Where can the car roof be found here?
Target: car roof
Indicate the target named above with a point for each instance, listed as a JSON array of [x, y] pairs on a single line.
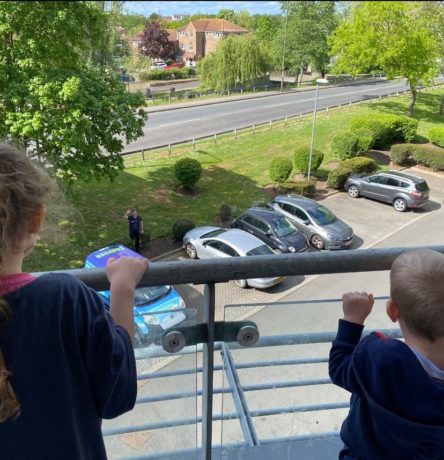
[[302, 201], [403, 175], [239, 239], [99, 258], [265, 214]]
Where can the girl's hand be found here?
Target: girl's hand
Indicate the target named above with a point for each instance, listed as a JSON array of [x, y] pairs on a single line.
[[357, 306], [126, 271]]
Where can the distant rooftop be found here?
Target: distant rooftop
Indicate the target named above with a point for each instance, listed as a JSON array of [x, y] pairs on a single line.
[[216, 25]]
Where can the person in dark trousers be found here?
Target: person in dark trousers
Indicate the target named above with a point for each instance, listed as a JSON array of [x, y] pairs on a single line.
[[397, 402], [135, 223]]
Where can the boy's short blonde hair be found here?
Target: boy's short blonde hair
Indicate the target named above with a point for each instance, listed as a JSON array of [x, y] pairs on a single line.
[[417, 288]]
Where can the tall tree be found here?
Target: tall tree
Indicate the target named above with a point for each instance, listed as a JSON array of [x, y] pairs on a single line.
[[55, 98], [237, 60], [395, 36], [309, 25], [226, 13], [154, 42]]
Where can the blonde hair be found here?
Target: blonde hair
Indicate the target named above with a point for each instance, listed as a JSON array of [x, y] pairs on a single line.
[[23, 189], [417, 288]]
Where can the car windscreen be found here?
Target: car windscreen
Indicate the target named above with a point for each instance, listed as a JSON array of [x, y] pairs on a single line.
[[150, 294], [422, 186], [282, 227], [263, 250], [321, 215]]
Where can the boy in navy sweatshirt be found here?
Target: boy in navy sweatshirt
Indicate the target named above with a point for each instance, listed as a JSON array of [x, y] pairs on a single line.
[[397, 401]]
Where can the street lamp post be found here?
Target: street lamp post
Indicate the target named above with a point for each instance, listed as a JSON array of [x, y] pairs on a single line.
[[319, 81]]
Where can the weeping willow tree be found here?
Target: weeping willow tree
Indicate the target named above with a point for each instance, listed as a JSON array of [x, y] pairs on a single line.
[[237, 62]]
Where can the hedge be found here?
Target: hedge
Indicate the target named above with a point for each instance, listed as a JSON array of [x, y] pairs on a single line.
[[345, 145], [180, 227], [401, 154], [161, 74], [426, 155], [302, 158], [436, 136], [280, 169], [337, 177], [386, 128], [366, 140], [303, 187]]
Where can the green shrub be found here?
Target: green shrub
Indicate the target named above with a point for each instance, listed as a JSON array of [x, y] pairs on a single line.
[[366, 140], [337, 177], [225, 212], [180, 227], [187, 171], [436, 136], [401, 154], [345, 145], [280, 169], [361, 164], [386, 128], [172, 74], [302, 158], [432, 157], [303, 187]]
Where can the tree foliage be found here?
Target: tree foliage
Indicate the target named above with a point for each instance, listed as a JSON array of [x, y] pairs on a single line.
[[309, 25], [56, 98], [154, 42], [395, 36], [237, 61]]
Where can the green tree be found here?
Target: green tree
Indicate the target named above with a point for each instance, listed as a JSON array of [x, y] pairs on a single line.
[[237, 60], [309, 25], [393, 35], [226, 13], [56, 98]]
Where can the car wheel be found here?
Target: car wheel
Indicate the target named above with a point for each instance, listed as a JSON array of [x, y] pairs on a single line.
[[353, 191], [191, 251], [400, 205], [241, 283], [317, 242]]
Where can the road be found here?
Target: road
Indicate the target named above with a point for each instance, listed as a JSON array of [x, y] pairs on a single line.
[[182, 124]]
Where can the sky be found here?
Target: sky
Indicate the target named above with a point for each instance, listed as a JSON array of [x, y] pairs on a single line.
[[192, 7]]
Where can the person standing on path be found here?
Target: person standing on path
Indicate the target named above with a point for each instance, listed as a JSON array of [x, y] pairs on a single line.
[[135, 223]]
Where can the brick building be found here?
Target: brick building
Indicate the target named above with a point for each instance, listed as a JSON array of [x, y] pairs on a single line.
[[200, 37]]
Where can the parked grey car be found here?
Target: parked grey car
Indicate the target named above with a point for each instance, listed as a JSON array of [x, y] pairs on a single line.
[[273, 229], [321, 227], [211, 242], [402, 190]]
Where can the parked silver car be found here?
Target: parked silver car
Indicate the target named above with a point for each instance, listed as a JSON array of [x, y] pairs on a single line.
[[400, 189], [211, 242], [321, 227]]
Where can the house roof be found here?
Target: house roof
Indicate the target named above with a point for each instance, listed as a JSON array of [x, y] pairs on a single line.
[[215, 25], [172, 34]]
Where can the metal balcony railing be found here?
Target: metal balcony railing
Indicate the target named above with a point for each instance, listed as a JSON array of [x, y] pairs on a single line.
[[201, 341]]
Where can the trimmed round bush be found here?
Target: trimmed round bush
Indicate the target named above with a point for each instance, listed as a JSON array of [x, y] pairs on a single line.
[[366, 140], [436, 136], [180, 227], [345, 145], [280, 169], [337, 177], [302, 158], [401, 154], [361, 164], [187, 171]]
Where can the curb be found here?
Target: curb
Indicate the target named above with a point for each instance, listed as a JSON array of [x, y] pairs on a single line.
[[251, 96]]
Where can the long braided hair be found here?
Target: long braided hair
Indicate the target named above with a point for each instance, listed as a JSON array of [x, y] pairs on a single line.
[[23, 189]]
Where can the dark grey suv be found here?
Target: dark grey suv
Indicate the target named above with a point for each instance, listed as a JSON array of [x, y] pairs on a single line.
[[400, 189], [272, 228]]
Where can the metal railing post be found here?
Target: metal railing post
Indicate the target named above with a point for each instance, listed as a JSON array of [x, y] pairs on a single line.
[[208, 371], [143, 154]]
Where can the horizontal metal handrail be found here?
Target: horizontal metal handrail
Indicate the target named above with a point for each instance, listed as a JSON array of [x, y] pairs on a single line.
[[235, 268]]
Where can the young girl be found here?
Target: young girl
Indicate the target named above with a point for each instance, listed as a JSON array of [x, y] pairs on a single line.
[[65, 362]]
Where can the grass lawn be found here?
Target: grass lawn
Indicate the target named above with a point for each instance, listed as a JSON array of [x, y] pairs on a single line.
[[235, 172]]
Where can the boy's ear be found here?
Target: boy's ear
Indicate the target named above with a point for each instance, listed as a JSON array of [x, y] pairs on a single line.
[[37, 220], [392, 310]]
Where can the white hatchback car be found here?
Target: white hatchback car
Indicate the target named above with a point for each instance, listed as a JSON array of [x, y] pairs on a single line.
[[158, 66]]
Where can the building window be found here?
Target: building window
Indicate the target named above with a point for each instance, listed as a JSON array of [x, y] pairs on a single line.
[[190, 47], [191, 34], [182, 46], [216, 34]]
